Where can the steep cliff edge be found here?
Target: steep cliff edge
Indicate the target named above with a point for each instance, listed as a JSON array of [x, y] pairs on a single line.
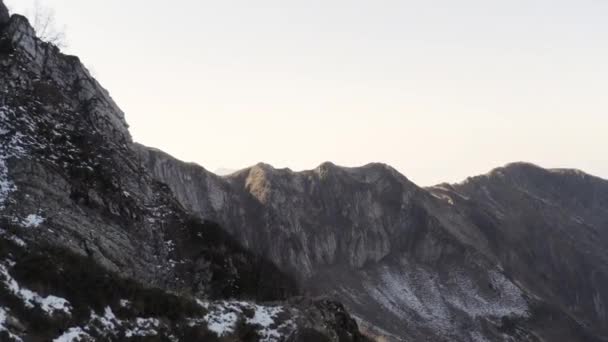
[[438, 264], [93, 248]]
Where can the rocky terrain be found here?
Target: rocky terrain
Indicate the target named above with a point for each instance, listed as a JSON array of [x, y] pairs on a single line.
[[103, 239], [515, 255], [92, 248]]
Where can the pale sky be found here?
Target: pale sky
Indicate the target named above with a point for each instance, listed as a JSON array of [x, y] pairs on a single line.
[[440, 90]]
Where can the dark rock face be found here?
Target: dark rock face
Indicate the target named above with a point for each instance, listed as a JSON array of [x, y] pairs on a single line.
[[4, 15], [519, 253], [80, 216]]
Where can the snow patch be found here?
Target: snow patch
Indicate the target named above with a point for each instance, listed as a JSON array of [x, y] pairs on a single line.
[[266, 317], [72, 335], [144, 327], [221, 323], [32, 221], [108, 321], [110, 325], [223, 317], [49, 304]]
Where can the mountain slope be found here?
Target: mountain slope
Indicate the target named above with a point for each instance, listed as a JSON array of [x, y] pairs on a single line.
[[557, 221], [104, 239], [92, 247], [434, 264]]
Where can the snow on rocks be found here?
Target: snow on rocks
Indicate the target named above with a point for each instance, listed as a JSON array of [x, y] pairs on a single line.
[[107, 322], [73, 335], [49, 304], [223, 317], [420, 294], [110, 326], [32, 221], [221, 323], [144, 327], [3, 328], [16, 240], [266, 318]]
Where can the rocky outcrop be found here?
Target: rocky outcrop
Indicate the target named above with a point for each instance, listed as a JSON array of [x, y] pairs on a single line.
[[488, 259], [68, 74], [82, 221]]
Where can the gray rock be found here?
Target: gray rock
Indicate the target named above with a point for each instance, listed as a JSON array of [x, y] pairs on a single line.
[[479, 260]]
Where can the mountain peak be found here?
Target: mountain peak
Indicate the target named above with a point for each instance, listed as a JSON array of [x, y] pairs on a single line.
[[526, 170], [513, 168], [62, 74], [521, 165], [263, 166], [327, 165], [371, 170]]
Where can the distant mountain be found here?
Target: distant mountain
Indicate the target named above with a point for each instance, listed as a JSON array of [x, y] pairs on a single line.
[[519, 254]]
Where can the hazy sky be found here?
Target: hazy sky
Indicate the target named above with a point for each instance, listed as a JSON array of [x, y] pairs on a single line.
[[439, 89]]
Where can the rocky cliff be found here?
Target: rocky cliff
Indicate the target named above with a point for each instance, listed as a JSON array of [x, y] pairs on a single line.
[[515, 255], [92, 247]]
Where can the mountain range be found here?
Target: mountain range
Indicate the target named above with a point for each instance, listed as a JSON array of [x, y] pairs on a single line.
[[104, 239]]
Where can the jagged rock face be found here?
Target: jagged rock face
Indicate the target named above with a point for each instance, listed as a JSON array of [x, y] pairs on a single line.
[[297, 218], [79, 215], [489, 259]]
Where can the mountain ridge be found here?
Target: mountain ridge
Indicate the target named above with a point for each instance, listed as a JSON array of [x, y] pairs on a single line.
[[166, 250], [367, 224]]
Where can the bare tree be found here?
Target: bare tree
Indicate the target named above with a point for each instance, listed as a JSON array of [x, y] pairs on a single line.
[[43, 21]]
